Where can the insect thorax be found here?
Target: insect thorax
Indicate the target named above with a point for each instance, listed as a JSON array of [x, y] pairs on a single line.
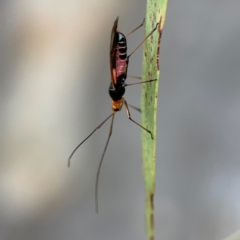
[[116, 92]]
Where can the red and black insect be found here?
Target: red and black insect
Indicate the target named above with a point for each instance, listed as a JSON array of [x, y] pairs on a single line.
[[118, 67]]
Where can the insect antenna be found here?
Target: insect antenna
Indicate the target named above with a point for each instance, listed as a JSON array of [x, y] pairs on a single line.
[[69, 159], [100, 164]]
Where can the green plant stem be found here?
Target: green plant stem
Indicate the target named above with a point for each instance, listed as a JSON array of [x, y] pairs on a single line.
[[155, 12], [234, 236]]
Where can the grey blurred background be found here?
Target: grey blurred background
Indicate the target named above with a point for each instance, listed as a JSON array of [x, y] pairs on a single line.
[[54, 83]]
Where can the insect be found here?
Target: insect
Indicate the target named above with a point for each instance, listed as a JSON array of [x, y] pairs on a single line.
[[118, 67]]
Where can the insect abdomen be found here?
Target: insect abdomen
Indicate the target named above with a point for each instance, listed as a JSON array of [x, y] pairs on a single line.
[[121, 57]]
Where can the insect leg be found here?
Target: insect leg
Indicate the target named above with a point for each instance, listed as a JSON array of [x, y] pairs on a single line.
[[125, 85], [69, 159], [135, 29], [100, 164], [142, 41], [136, 108], [129, 116]]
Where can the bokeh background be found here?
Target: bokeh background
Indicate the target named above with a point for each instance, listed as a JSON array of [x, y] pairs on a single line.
[[54, 92]]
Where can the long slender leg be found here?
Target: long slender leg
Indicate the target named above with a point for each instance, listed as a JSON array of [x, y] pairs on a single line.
[[129, 116], [100, 164], [135, 29], [69, 159], [125, 85], [142, 42], [135, 108]]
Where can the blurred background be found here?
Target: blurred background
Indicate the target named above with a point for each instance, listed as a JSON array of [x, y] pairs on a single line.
[[54, 92]]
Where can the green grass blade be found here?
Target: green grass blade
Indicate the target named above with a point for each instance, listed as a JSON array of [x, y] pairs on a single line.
[[235, 236], [155, 12]]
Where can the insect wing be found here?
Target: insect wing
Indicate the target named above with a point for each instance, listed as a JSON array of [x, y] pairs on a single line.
[[113, 53]]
